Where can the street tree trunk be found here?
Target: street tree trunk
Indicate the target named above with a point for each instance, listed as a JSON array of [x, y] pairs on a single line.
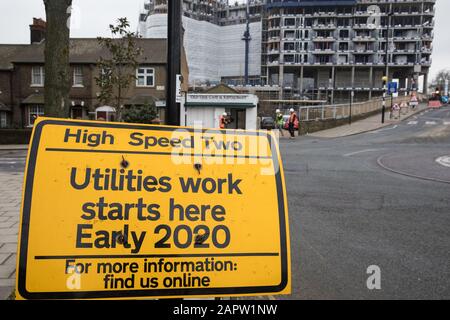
[[57, 68]]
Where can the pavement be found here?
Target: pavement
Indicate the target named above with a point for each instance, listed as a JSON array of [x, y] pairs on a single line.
[[13, 147], [12, 164], [366, 125], [10, 201]]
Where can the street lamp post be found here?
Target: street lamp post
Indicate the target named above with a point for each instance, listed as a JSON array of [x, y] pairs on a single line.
[[174, 45], [386, 60]]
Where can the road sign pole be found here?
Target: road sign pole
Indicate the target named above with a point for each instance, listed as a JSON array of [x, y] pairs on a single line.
[[386, 61], [392, 104], [174, 45]]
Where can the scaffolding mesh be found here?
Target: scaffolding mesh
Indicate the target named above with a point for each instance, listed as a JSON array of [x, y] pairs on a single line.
[[212, 51]]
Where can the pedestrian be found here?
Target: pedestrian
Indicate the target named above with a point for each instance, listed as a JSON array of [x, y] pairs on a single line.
[[279, 121], [292, 120]]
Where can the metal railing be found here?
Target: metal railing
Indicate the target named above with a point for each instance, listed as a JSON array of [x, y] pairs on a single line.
[[343, 111]]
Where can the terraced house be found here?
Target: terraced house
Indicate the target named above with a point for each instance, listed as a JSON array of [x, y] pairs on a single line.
[[22, 77]]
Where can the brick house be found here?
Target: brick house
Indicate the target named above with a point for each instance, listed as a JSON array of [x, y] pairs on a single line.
[[22, 79]]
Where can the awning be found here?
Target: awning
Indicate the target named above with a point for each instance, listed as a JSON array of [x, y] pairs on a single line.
[[35, 98], [105, 109], [4, 107], [220, 105]]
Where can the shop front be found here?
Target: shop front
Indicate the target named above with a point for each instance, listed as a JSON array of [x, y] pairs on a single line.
[[208, 109]]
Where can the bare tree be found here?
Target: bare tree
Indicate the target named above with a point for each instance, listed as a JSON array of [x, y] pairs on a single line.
[[441, 77], [57, 68], [118, 70]]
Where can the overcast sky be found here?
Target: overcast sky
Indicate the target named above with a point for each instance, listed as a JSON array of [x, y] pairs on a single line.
[[94, 17]]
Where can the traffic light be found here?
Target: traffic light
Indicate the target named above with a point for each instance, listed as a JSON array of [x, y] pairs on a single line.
[[385, 79]]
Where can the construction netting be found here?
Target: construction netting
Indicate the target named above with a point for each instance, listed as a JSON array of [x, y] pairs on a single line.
[[212, 51]]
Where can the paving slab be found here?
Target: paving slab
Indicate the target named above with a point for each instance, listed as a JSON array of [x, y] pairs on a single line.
[[10, 202]]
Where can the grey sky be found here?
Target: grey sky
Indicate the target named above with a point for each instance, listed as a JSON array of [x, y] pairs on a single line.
[[96, 15]]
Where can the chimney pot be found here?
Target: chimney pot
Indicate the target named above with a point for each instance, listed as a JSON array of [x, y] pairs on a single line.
[[37, 30]]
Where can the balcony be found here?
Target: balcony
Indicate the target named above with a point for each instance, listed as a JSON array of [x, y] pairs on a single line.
[[324, 26], [324, 39], [363, 51], [363, 38], [324, 51], [404, 51], [407, 38], [363, 27]]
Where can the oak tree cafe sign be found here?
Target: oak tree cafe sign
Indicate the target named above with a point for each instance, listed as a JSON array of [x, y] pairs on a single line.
[[222, 98], [115, 210]]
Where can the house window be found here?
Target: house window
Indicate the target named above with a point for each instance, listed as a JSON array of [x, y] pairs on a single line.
[[37, 76], [145, 77], [33, 113], [77, 76]]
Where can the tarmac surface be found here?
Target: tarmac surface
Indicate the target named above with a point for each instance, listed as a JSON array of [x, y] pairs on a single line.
[[371, 199]]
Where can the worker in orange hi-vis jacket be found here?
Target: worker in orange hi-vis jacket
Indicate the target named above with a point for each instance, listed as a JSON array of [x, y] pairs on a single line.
[[293, 118]]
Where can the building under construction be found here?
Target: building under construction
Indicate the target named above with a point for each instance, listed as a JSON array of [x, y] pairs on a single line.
[[214, 32], [326, 50], [305, 50]]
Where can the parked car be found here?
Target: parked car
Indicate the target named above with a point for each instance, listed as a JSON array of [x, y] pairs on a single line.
[[267, 123], [286, 123]]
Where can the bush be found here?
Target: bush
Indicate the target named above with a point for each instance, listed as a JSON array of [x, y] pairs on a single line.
[[140, 114]]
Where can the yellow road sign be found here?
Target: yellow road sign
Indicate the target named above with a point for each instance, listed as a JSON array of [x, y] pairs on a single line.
[[114, 210]]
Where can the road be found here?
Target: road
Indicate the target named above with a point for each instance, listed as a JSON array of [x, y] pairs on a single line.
[[378, 198], [351, 206], [12, 161]]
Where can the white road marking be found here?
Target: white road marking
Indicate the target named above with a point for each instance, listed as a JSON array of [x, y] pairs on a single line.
[[444, 161], [358, 152], [12, 160], [413, 122], [430, 123], [446, 123], [378, 131]]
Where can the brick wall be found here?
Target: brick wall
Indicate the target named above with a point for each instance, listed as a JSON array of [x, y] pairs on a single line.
[[15, 136]]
